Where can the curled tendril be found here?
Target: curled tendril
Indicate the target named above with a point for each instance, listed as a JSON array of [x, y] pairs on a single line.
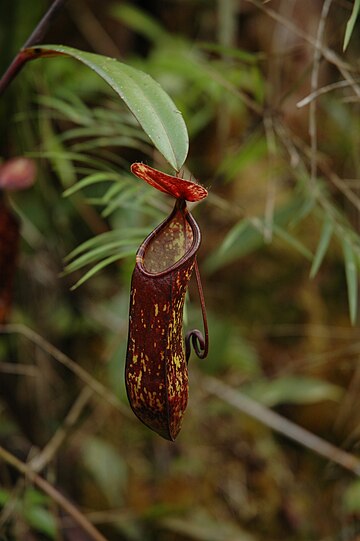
[[195, 337], [197, 340]]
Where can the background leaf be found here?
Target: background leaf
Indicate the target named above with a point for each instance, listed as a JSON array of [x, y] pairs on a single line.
[[152, 107], [351, 278], [351, 23], [323, 245], [106, 466], [293, 390], [352, 497]]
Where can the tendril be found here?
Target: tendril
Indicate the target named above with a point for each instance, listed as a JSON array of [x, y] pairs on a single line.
[[200, 343]]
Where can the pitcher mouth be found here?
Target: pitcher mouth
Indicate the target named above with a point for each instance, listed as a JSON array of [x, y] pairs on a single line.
[[147, 262]]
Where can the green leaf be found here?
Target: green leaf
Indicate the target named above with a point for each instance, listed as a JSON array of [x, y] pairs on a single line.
[[323, 245], [112, 192], [292, 241], [33, 496], [109, 141], [351, 278], [90, 180], [108, 236], [125, 198], [351, 23], [36, 513], [59, 159], [250, 152], [149, 103], [248, 235], [106, 466], [229, 350], [201, 526], [233, 236], [293, 390], [4, 497], [41, 519], [242, 239], [111, 248], [63, 155], [66, 110], [351, 497], [104, 263]]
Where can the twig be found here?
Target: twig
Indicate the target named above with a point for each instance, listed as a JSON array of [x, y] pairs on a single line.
[[323, 90], [39, 462], [327, 53], [282, 425], [9, 508], [271, 181], [314, 85], [59, 356], [342, 186], [35, 37], [53, 493], [18, 369]]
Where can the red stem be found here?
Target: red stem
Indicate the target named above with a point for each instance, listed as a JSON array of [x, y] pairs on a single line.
[[199, 342], [203, 310], [11, 72], [35, 37]]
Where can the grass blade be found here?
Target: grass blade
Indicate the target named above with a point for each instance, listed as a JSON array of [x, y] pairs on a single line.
[[351, 23], [323, 245], [99, 253], [90, 180], [292, 241], [108, 236], [351, 278], [101, 265]]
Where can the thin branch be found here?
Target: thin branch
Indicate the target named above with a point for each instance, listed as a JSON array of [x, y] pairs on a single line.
[[327, 53], [18, 369], [271, 181], [320, 91], [53, 493], [282, 425], [35, 37], [42, 27], [59, 356], [39, 462], [343, 186], [314, 86]]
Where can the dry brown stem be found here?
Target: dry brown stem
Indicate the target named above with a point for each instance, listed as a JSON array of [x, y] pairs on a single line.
[[280, 424], [53, 493]]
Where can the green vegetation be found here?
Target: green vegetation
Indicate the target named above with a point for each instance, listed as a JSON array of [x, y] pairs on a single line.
[[268, 448]]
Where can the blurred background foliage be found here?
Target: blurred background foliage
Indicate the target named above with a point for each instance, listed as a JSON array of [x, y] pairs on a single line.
[[274, 133]]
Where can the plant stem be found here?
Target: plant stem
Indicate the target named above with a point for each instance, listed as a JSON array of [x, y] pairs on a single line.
[[43, 25], [12, 71], [282, 425], [63, 359], [54, 494], [35, 37]]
